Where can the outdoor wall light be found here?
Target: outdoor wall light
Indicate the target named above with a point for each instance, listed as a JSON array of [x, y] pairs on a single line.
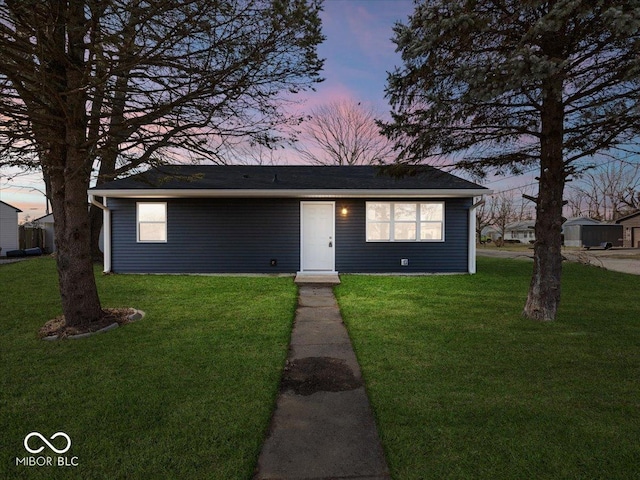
[[344, 211]]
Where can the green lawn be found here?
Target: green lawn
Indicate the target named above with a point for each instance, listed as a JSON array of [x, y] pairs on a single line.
[[187, 392], [463, 387]]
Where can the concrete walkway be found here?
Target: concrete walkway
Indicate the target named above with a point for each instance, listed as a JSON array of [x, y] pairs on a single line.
[[323, 427]]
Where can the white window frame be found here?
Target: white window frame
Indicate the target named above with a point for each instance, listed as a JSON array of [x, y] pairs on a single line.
[[418, 222], [139, 222]]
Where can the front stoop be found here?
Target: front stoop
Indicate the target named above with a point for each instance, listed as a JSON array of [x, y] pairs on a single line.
[[313, 279]]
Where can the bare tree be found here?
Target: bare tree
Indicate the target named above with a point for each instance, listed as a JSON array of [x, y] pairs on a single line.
[[526, 204], [127, 83], [484, 218], [607, 192], [504, 211], [344, 133], [575, 203]]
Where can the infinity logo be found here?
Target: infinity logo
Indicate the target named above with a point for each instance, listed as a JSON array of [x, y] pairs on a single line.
[[55, 435]]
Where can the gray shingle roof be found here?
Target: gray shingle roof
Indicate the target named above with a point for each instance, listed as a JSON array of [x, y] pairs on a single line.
[[274, 178]]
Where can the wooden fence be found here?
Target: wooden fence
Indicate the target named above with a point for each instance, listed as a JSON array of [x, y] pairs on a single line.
[[31, 237]]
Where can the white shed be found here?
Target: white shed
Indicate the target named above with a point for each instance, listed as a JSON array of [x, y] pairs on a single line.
[[8, 227], [47, 224]]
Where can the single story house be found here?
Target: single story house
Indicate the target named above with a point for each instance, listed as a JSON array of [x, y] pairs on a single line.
[[8, 227], [288, 219], [631, 230], [523, 231]]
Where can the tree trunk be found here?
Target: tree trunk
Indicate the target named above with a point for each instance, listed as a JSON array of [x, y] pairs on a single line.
[[544, 291], [78, 291], [69, 169]]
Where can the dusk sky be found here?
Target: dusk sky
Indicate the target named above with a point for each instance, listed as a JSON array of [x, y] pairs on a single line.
[[358, 52]]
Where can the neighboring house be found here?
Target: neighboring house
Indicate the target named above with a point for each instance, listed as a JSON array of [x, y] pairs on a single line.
[[490, 233], [8, 227], [631, 230], [523, 232], [287, 219]]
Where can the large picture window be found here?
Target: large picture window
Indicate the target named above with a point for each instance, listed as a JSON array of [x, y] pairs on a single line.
[[152, 222], [405, 222]]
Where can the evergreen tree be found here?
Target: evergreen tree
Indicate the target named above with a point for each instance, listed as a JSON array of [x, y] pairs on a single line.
[[505, 85]]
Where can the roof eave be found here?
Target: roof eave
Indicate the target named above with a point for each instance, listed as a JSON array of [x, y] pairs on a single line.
[[283, 193]]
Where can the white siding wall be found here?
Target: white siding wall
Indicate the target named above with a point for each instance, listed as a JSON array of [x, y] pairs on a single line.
[[8, 228]]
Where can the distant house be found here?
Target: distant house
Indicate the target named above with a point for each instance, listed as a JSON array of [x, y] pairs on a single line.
[[523, 232], [46, 223], [288, 219], [631, 230], [8, 227], [519, 232]]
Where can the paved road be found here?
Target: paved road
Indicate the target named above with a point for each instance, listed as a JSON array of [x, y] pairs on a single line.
[[619, 259]]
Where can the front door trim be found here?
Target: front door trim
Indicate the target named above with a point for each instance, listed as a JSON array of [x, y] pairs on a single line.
[[331, 267]]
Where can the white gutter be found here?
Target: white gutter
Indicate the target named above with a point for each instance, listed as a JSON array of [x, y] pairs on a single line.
[[288, 193], [106, 225], [472, 236]]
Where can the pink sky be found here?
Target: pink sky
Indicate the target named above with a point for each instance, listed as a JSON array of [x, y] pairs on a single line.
[[358, 49], [358, 52]]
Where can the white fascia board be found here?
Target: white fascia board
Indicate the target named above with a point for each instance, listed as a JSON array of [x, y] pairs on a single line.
[[300, 193]]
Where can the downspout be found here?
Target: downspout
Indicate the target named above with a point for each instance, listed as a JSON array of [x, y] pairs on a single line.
[[106, 225], [472, 236]]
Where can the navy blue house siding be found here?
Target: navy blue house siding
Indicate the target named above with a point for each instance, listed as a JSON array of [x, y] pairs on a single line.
[[355, 255], [208, 235]]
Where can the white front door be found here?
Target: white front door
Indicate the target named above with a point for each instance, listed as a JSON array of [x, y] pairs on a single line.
[[317, 231]]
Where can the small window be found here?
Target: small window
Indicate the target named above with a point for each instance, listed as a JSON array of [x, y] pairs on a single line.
[[405, 222], [152, 222]]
